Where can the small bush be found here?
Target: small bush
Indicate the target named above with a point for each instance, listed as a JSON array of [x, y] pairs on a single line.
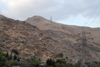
[[15, 51], [24, 22]]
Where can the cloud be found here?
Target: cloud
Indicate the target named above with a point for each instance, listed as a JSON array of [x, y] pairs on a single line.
[[24, 8], [2, 0], [77, 7], [59, 9]]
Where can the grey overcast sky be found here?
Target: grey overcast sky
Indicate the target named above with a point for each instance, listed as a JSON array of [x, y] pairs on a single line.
[[71, 12]]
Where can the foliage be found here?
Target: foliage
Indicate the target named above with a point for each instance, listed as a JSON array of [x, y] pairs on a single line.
[[9, 63], [18, 59], [66, 57], [50, 62], [44, 44], [10, 57], [24, 22], [15, 51], [60, 65], [2, 58], [7, 55], [78, 64], [61, 61], [60, 54], [34, 62], [15, 57], [93, 64]]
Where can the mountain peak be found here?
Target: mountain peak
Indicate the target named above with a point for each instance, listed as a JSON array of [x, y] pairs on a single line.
[[37, 18]]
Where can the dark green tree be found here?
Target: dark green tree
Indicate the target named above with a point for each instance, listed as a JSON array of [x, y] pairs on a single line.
[[15, 57], [61, 61], [10, 57], [7, 56], [78, 64], [34, 62], [2, 59], [18, 59], [50, 62], [15, 51]]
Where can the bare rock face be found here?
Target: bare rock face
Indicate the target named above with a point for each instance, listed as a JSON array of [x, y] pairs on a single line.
[[67, 36]]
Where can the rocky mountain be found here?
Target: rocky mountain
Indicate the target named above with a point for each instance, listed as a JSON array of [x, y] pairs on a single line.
[[67, 36], [42, 38], [27, 39]]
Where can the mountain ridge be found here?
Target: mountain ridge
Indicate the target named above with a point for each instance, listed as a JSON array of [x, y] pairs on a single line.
[[27, 39], [44, 39], [67, 36]]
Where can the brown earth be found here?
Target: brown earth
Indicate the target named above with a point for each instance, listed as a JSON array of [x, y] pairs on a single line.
[[67, 36], [27, 39], [44, 39]]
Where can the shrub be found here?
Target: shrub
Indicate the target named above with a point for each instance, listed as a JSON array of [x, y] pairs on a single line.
[[2, 59], [15, 57], [34, 62], [60, 54], [18, 59], [24, 22], [61, 61], [9, 63], [15, 51], [10, 57], [50, 62]]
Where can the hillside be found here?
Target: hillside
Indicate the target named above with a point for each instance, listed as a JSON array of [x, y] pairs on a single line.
[[44, 39], [67, 36], [27, 39]]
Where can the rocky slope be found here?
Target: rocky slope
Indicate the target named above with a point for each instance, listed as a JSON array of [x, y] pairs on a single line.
[[67, 36], [27, 39]]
